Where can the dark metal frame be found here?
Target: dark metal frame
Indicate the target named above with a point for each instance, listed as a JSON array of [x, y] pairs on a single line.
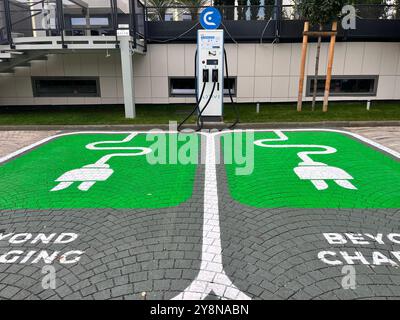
[[61, 26], [8, 23], [134, 32], [280, 29]]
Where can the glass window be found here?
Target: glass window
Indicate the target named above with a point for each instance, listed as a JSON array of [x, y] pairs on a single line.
[[99, 21], [65, 87], [345, 85], [78, 21], [94, 21]]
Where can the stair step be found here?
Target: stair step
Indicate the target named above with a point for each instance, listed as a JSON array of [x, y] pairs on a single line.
[[18, 59], [7, 71], [5, 55], [42, 58], [23, 65]]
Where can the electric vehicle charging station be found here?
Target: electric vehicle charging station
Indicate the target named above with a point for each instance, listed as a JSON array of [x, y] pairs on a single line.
[[210, 73], [210, 65]]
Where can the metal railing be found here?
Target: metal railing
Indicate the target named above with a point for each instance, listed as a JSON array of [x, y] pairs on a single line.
[[34, 18], [263, 12], [138, 23], [378, 11], [41, 18], [228, 12]]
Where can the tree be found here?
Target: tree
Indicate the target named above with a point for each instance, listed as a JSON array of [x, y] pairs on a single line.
[[160, 8], [371, 9], [397, 8], [319, 13], [254, 7], [194, 6]]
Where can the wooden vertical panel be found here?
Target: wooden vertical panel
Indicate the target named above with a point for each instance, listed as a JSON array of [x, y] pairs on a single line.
[[302, 66], [329, 69]]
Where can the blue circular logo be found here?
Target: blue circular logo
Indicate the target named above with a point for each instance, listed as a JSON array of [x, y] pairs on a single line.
[[210, 18]]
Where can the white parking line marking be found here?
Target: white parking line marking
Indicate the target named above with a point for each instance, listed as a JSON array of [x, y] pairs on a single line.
[[212, 277]]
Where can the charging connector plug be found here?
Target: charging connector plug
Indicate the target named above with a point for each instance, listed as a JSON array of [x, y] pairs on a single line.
[[214, 76], [206, 75]]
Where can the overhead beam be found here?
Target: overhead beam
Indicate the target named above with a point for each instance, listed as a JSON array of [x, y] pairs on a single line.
[[80, 3]]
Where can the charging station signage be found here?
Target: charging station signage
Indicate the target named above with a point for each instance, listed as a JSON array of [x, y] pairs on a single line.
[[210, 18]]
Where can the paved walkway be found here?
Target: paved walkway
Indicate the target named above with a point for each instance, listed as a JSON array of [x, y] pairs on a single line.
[[387, 136], [11, 141]]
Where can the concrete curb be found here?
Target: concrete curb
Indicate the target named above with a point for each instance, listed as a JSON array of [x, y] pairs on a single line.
[[256, 125]]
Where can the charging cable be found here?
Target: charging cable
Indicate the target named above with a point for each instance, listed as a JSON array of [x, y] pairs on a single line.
[[194, 109], [200, 122], [196, 95]]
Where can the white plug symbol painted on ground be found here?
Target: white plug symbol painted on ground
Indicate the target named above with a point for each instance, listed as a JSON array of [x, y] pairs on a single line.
[[100, 170], [88, 176], [316, 172]]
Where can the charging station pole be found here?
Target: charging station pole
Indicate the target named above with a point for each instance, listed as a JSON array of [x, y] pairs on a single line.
[[209, 71], [210, 64]]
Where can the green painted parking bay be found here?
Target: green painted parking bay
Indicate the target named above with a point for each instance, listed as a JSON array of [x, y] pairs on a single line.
[[96, 170], [312, 169]]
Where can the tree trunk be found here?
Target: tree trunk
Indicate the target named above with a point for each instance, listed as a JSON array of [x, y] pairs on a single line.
[[194, 13], [329, 68], [317, 57], [255, 6], [302, 66], [161, 13]]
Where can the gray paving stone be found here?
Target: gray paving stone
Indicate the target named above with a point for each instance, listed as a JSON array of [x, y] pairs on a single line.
[[121, 290], [267, 253]]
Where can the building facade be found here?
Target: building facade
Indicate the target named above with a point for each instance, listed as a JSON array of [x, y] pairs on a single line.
[[263, 67]]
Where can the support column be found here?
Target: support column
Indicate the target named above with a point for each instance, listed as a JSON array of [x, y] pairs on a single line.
[[127, 77]]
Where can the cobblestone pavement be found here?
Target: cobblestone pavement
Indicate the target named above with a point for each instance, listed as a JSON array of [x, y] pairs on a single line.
[[11, 141], [126, 252], [266, 253], [387, 136], [273, 253]]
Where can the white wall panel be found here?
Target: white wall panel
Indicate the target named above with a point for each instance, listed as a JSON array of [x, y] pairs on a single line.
[[264, 72]]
